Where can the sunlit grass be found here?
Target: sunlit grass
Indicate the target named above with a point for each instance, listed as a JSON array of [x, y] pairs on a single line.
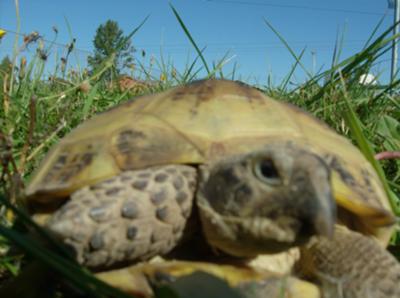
[[36, 113]]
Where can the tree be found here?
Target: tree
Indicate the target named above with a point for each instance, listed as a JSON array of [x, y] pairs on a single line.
[[109, 40]]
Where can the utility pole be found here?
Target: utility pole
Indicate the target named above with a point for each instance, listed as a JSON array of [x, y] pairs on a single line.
[[395, 41]]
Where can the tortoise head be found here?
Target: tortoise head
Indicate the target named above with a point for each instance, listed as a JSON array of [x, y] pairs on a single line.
[[266, 201]]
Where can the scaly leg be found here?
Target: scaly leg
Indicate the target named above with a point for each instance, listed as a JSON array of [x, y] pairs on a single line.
[[132, 216], [351, 266]]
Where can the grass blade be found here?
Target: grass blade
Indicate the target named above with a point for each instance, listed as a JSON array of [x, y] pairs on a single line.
[[190, 38], [288, 47], [355, 127]]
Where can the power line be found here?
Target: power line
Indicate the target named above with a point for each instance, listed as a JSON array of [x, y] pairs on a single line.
[[46, 40], [297, 7], [219, 47], [86, 52], [215, 46], [258, 47], [184, 46], [244, 44]]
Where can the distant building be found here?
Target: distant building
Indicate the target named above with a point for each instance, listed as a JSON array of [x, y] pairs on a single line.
[[125, 82]]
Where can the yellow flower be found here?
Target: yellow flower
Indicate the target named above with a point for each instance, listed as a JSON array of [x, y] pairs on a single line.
[[2, 33]]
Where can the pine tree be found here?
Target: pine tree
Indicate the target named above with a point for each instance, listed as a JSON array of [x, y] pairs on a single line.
[[109, 40]]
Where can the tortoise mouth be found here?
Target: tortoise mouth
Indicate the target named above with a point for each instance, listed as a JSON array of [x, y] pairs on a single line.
[[259, 235], [250, 236], [264, 235]]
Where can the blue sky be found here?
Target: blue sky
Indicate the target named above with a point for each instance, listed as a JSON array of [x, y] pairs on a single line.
[[236, 27]]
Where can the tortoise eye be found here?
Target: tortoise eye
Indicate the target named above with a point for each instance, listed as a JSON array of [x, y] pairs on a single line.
[[266, 170]]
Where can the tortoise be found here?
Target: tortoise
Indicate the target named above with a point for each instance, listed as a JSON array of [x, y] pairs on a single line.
[[219, 161]]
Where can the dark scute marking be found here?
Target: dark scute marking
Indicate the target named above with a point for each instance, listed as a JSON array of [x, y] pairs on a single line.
[[179, 94], [113, 191], [98, 213], [243, 84], [76, 168], [127, 138], [206, 92], [158, 197], [343, 173], [161, 177], [250, 93], [131, 133], [202, 89], [366, 177], [75, 158], [131, 232], [129, 210], [162, 213], [61, 160], [96, 241], [181, 197], [139, 184], [67, 169], [178, 183], [66, 175], [87, 158]]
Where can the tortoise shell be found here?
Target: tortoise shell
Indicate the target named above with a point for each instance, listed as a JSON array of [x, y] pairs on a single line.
[[200, 123]]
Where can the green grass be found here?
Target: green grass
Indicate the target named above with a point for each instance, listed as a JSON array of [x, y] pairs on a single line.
[[36, 113]]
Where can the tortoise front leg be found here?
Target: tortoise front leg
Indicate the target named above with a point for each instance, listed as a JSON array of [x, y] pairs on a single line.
[[351, 266], [132, 216]]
